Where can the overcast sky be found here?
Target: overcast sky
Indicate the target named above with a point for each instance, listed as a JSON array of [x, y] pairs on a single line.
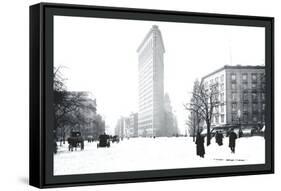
[[100, 56]]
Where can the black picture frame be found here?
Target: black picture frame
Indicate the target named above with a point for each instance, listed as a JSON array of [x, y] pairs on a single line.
[[41, 67]]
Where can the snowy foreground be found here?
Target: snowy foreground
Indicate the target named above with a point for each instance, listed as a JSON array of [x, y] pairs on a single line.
[[153, 154]]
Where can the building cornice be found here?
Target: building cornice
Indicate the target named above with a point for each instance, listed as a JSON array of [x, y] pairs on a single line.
[[225, 67]]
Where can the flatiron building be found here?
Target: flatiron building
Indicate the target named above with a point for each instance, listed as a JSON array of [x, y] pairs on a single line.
[[151, 84]]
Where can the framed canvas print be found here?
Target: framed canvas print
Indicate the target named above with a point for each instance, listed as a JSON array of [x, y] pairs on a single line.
[[127, 95]]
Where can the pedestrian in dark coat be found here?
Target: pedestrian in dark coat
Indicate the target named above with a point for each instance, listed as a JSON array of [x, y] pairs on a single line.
[[200, 150], [220, 139], [217, 137], [55, 147], [232, 140], [82, 145]]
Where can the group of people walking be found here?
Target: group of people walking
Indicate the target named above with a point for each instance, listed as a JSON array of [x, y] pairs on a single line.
[[200, 148]]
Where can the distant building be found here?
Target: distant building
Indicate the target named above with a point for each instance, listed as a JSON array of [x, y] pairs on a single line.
[[82, 117], [122, 127], [151, 84], [170, 120], [89, 121], [240, 95], [133, 126]]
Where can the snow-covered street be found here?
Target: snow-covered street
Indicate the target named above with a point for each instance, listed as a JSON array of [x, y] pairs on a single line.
[[151, 154]]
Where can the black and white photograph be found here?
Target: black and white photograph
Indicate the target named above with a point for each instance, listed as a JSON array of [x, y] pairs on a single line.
[[135, 95], [140, 95]]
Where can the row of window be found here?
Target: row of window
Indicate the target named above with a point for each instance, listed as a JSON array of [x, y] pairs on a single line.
[[145, 65], [145, 123], [144, 115], [234, 108], [216, 109], [146, 128], [233, 77], [215, 119], [146, 74], [245, 86], [245, 117], [234, 96], [145, 96], [216, 80], [146, 106], [246, 107], [234, 118], [214, 87], [145, 91], [245, 96], [254, 96], [254, 77]]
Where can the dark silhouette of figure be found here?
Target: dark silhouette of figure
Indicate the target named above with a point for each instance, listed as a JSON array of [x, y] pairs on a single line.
[[55, 147], [200, 150], [219, 138], [232, 140], [240, 133], [82, 145]]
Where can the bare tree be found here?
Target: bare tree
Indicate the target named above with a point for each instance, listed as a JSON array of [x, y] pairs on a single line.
[[193, 124], [204, 99], [194, 118], [67, 105]]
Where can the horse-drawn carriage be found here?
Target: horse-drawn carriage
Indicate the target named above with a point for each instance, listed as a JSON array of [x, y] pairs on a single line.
[[75, 140], [104, 141]]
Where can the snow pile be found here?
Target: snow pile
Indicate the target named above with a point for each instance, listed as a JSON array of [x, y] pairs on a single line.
[[152, 154]]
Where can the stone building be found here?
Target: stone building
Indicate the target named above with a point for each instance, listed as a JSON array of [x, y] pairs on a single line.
[[240, 94], [83, 118]]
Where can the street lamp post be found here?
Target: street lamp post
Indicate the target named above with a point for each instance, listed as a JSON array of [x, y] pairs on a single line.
[[239, 122], [239, 115]]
